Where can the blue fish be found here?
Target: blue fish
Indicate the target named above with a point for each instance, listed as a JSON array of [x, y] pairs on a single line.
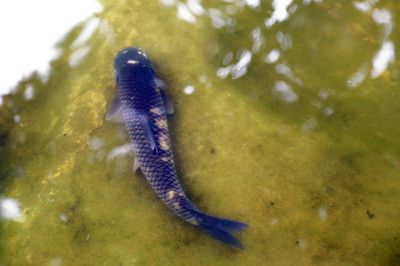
[[144, 105]]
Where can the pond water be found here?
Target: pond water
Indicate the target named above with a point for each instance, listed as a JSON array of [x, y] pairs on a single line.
[[286, 117]]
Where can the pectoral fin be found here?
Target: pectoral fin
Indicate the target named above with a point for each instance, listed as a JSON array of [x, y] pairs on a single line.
[[136, 166], [145, 123], [114, 112], [169, 107]]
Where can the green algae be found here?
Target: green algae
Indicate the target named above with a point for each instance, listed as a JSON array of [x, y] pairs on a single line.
[[315, 187]]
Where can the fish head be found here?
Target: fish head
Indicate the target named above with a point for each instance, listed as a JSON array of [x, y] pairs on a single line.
[[132, 59]]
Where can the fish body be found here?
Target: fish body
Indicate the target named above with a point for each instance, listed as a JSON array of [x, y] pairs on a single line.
[[145, 106]]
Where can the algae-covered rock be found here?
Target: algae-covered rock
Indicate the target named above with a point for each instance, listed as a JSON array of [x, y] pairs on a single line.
[[280, 141]]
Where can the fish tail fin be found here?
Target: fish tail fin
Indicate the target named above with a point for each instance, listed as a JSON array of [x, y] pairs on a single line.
[[221, 229]]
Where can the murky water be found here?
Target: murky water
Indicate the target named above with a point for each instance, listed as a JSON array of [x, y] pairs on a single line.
[[287, 118]]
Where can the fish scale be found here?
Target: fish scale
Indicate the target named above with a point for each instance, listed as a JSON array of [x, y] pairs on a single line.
[[160, 174], [144, 111]]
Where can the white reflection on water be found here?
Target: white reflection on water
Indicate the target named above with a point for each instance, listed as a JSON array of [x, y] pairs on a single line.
[[253, 3], [63, 217], [383, 16], [258, 40], [17, 119], [90, 26], [240, 68], [106, 30], [386, 53], [285, 70], [324, 94], [358, 77], [185, 14], [217, 18], [29, 92], [55, 262], [284, 40], [284, 92], [365, 6], [306, 2], [223, 72], [196, 7], [120, 151], [76, 58], [227, 58], [167, 2], [272, 56], [382, 59], [96, 143], [323, 213], [328, 111], [189, 89], [10, 210], [309, 125], [280, 12], [32, 37]]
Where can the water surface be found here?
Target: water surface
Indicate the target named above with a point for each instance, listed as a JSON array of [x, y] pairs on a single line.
[[287, 118]]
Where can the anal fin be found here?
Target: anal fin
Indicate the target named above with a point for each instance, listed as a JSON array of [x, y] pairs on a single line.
[[114, 112]]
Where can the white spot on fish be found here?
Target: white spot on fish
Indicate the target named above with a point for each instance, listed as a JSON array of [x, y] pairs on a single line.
[[164, 143], [171, 194], [166, 159], [176, 205], [132, 62], [161, 123], [192, 221], [156, 110]]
